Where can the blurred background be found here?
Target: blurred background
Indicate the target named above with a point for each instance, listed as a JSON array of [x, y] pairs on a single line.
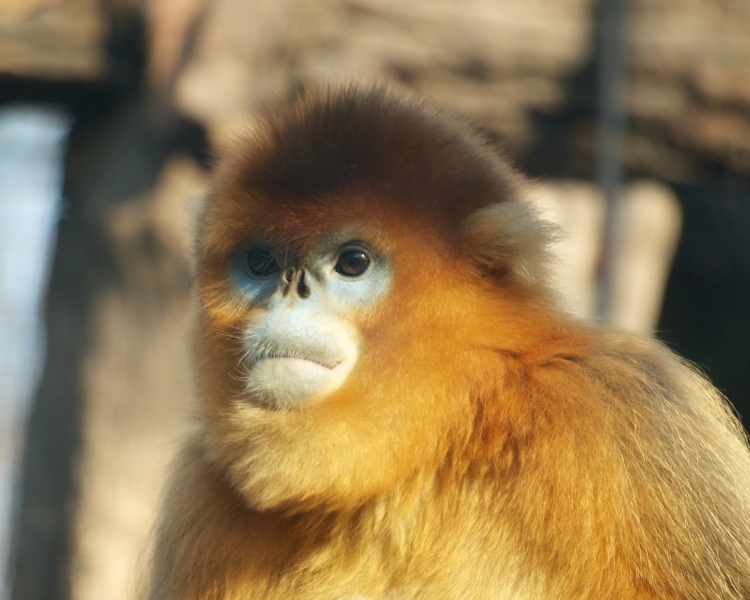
[[631, 117]]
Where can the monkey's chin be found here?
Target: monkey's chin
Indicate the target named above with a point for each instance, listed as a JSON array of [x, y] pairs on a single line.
[[284, 382]]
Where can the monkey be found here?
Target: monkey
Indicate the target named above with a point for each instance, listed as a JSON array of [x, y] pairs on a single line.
[[393, 405]]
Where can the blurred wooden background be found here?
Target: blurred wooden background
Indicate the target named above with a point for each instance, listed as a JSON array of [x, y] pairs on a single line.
[[156, 87]]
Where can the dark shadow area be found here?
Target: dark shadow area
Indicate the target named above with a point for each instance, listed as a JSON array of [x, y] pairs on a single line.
[[706, 314], [565, 141]]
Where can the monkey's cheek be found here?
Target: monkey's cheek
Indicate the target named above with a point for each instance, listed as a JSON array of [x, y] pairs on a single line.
[[286, 382]]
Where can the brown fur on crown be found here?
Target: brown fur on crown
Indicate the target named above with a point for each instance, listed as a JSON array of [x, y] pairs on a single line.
[[325, 142], [485, 445]]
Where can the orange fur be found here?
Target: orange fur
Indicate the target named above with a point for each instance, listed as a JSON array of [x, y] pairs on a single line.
[[485, 445]]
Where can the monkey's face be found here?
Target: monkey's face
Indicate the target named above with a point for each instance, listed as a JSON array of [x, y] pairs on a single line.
[[332, 345], [301, 342], [301, 300]]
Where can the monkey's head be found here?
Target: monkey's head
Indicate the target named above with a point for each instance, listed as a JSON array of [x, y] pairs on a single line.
[[358, 261]]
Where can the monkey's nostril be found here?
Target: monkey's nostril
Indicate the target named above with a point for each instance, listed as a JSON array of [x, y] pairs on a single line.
[[303, 290], [287, 277]]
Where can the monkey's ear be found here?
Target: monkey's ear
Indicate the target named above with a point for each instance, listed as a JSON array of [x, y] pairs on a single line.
[[509, 240]]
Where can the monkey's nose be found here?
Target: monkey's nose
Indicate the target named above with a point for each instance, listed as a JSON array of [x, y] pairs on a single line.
[[297, 281]]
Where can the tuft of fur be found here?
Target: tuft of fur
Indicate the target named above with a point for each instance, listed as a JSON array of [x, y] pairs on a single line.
[[485, 445], [510, 239]]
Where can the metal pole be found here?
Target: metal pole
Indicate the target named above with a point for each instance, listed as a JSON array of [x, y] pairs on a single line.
[[609, 172]]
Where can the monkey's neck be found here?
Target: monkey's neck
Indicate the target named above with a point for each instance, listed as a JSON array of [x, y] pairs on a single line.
[[219, 537]]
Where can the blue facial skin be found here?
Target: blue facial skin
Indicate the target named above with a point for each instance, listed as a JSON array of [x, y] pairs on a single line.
[[328, 286]]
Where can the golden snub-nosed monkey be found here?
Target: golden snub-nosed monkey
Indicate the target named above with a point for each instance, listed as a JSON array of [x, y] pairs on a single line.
[[393, 407]]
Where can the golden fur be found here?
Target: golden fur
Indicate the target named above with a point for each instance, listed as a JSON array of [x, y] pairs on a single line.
[[486, 445]]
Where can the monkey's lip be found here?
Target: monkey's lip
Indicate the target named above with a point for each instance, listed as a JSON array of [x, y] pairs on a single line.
[[291, 359], [283, 381]]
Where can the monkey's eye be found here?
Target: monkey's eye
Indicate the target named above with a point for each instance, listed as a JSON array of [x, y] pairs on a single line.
[[352, 263], [261, 263]]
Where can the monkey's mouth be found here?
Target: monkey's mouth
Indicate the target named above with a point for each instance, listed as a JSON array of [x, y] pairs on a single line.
[[291, 359], [284, 380], [288, 363]]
